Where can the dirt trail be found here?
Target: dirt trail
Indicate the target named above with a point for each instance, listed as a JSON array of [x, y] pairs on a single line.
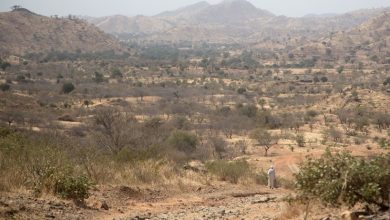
[[213, 203]]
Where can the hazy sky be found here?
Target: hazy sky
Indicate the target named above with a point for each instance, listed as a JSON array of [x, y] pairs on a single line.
[[151, 7]]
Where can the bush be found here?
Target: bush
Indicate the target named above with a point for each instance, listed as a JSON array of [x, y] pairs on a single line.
[[183, 141], [35, 162], [70, 187], [311, 113], [300, 139], [116, 73], [229, 171], [4, 65], [261, 178], [67, 88], [99, 78], [5, 87], [4, 132], [342, 178], [241, 91]]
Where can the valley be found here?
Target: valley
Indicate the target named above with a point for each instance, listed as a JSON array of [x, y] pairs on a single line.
[[180, 115]]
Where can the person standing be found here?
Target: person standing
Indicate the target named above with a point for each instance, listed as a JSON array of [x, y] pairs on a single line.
[[271, 177]]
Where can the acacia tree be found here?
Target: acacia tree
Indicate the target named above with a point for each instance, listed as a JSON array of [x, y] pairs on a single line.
[[15, 7], [114, 128], [264, 139]]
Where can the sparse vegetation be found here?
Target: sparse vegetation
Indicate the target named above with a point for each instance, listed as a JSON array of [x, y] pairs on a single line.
[[84, 117], [231, 171]]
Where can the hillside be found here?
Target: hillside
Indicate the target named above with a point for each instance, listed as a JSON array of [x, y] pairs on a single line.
[[231, 21], [365, 43], [22, 31], [224, 22]]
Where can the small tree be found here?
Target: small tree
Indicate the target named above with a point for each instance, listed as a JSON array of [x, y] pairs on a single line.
[[219, 146], [114, 129], [300, 139], [68, 88], [335, 134], [264, 139], [15, 7], [87, 103]]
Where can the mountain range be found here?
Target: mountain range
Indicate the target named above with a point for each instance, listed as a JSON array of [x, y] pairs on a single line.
[[231, 21]]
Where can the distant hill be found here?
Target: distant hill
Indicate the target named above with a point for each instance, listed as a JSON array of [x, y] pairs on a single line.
[[22, 31], [185, 12], [368, 42], [201, 22], [231, 21], [229, 12]]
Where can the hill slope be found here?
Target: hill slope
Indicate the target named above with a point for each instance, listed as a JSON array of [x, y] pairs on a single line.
[[366, 43], [229, 21], [22, 31]]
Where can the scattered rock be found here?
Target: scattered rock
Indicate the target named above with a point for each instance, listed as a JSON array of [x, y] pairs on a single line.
[[348, 215], [10, 212], [50, 215], [104, 206], [262, 200]]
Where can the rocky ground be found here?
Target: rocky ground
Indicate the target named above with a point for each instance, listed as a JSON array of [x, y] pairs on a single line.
[[222, 203], [212, 202]]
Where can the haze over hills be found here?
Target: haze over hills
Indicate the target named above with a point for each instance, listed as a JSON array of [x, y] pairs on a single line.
[[366, 43], [22, 31], [230, 21]]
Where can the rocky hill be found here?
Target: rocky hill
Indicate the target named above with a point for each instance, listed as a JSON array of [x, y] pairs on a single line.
[[22, 31], [230, 21], [367, 43]]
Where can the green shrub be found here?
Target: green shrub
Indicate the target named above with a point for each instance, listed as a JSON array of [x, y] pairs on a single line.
[[342, 178], [72, 187], [67, 88], [230, 171], [183, 141]]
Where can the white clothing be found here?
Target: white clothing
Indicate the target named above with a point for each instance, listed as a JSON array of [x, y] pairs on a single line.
[[271, 178]]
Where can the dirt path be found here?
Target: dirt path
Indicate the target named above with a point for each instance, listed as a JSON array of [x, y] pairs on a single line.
[[213, 203]]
